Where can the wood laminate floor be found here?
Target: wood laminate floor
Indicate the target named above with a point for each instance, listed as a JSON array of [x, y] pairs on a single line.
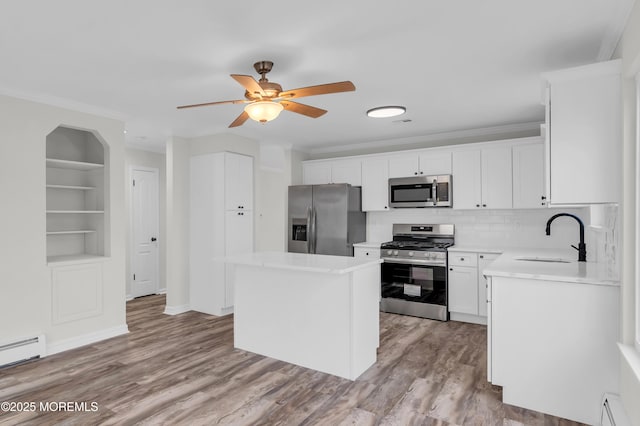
[[184, 370]]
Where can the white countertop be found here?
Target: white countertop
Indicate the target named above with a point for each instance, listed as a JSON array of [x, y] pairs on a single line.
[[474, 249], [508, 265], [303, 262], [368, 244]]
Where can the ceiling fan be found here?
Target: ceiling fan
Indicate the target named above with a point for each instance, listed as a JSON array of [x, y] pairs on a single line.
[[265, 99]]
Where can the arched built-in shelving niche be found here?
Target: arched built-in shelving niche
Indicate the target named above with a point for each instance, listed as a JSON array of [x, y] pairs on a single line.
[[76, 207]]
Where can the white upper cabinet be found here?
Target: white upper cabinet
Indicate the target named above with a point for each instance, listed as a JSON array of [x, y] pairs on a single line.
[[467, 175], [346, 171], [238, 182], [584, 134], [338, 171], [375, 184], [414, 164], [482, 178], [497, 183], [435, 163], [528, 176]]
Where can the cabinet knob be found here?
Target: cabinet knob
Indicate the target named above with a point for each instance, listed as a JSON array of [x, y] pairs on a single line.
[[543, 197], [153, 239], [481, 257], [386, 207], [484, 205], [542, 204], [415, 173], [462, 259], [420, 172], [451, 269], [240, 214], [477, 205], [367, 254]]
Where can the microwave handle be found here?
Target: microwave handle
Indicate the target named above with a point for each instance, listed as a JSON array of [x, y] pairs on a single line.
[[434, 191]]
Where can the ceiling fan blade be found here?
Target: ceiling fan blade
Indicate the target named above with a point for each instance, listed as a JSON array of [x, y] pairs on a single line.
[[249, 83], [239, 121], [237, 101], [303, 109], [322, 89]]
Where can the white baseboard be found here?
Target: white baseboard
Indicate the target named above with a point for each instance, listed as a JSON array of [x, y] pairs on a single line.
[[162, 291], [128, 297], [475, 319], [86, 339], [175, 310]]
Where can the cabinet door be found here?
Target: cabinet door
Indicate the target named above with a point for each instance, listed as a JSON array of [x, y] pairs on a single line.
[[435, 163], [403, 165], [346, 171], [375, 184], [466, 182], [238, 181], [484, 259], [316, 173], [528, 176], [238, 240], [585, 140], [463, 290], [497, 178]]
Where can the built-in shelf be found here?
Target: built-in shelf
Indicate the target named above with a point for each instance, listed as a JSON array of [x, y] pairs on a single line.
[[72, 165], [82, 188], [74, 211], [73, 259], [79, 231]]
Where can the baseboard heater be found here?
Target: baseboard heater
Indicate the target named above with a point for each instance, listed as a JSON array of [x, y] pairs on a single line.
[[21, 350], [613, 413]]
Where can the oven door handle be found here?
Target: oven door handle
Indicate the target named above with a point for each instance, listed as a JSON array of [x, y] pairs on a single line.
[[414, 262]]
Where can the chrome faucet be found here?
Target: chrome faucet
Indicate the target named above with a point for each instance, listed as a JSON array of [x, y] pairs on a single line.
[[582, 248]]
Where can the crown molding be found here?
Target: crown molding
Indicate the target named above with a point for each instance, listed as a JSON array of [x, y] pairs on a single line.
[[63, 103], [434, 137]]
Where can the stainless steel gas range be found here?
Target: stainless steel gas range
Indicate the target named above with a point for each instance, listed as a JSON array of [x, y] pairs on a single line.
[[414, 272]]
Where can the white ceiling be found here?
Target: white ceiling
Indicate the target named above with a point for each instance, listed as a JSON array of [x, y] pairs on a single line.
[[455, 64]]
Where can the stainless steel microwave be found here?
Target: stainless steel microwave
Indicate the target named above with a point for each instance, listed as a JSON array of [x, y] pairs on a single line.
[[420, 191]]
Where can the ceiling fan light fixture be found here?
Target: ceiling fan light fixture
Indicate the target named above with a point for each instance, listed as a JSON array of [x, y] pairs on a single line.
[[386, 111], [263, 111]]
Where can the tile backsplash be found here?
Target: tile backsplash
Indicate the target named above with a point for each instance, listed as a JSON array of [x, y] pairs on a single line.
[[494, 228]]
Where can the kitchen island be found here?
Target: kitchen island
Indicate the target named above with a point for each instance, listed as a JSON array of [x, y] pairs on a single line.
[[551, 332], [316, 311]]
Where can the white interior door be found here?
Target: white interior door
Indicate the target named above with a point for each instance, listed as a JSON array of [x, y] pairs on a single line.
[[145, 229]]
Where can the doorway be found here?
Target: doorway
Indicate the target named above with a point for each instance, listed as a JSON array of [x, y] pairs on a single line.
[[144, 231]]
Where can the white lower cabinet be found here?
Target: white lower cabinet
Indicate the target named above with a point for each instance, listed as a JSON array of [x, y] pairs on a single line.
[[76, 292], [467, 285], [366, 252]]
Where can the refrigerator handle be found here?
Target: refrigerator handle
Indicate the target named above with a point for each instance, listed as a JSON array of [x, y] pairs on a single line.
[[315, 230], [309, 230]]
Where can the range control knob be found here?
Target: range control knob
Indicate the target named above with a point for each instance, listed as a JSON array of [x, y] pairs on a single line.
[[410, 254], [395, 252], [389, 252]]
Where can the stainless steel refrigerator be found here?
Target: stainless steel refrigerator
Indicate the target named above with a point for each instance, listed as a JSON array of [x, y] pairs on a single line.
[[325, 219]]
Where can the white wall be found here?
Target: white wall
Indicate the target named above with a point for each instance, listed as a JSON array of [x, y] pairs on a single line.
[[136, 157], [25, 283]]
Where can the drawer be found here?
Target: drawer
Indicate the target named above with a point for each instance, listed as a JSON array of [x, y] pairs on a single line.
[[366, 252], [463, 259]]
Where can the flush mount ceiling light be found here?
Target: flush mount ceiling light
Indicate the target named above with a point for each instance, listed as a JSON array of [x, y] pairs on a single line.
[[263, 111], [386, 111]]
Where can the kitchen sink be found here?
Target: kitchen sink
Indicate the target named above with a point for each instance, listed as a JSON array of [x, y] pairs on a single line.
[[543, 259]]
